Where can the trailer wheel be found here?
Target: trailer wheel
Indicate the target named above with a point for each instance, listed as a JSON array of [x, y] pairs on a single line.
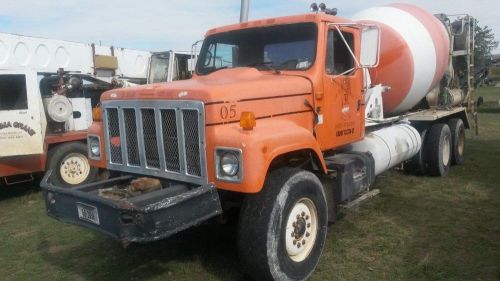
[[438, 150], [70, 165], [416, 165], [458, 140], [282, 228]]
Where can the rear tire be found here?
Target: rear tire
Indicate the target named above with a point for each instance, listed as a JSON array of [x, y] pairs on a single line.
[[70, 165], [458, 141], [438, 150], [282, 228]]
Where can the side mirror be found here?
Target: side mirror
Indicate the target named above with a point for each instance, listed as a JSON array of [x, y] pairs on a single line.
[[192, 64], [370, 46]]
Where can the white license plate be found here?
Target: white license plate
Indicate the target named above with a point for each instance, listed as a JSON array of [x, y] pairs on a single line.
[[87, 213]]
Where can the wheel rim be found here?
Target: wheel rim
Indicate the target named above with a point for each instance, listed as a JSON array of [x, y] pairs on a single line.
[[446, 150], [461, 142], [75, 168], [301, 229]]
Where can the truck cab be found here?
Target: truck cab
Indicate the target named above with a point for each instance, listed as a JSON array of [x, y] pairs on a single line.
[[170, 66], [263, 69]]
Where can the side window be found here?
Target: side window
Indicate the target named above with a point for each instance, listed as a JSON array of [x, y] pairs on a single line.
[[158, 71], [13, 94], [221, 56], [338, 57]]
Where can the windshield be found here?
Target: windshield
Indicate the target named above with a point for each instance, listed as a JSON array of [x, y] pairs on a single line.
[[283, 47], [158, 69]]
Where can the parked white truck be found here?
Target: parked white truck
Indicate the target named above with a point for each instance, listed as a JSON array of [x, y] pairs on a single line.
[[48, 89]]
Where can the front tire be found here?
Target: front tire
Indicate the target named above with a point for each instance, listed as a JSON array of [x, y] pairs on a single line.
[[70, 165], [282, 229]]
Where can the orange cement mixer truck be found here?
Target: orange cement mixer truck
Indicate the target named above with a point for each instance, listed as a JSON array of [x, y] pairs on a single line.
[[284, 120]]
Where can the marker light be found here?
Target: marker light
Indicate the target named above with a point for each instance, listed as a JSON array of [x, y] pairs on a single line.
[[247, 120], [97, 113]]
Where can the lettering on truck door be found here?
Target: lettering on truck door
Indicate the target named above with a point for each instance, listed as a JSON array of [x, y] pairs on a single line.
[[22, 119], [343, 106]]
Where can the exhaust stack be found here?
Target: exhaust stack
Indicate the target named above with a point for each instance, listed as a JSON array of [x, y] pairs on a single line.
[[244, 10]]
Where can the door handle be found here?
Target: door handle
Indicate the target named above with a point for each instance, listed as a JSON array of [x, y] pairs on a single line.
[[360, 104]]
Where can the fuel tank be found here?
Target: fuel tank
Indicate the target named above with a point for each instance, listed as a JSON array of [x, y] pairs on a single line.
[[414, 49], [389, 146]]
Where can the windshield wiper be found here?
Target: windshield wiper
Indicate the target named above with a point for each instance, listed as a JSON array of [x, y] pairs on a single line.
[[220, 68], [267, 64]]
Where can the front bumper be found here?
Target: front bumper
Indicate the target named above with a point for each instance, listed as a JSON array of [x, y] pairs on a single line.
[[144, 218]]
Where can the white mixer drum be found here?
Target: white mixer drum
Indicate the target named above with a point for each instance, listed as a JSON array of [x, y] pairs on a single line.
[[414, 53]]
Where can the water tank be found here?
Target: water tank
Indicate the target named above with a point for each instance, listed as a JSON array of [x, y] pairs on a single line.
[[414, 48], [390, 146]]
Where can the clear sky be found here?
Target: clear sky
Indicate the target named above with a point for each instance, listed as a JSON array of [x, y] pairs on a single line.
[[160, 25]]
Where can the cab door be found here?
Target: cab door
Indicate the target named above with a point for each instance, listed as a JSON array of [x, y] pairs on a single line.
[[343, 105], [22, 118]]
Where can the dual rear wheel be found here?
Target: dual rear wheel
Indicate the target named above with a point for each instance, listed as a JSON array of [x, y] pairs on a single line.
[[442, 146]]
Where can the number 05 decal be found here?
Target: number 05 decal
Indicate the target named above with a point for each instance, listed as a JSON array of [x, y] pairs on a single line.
[[228, 111]]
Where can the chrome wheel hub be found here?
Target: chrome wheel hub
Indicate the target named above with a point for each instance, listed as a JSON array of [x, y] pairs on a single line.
[[301, 230], [75, 168]]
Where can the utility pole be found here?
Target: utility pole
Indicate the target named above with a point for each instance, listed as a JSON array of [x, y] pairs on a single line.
[[244, 10]]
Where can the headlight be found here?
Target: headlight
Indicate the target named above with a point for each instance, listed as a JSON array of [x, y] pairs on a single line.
[[230, 163], [94, 147]]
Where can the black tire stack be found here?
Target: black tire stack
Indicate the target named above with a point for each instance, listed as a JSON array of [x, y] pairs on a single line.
[[437, 140]]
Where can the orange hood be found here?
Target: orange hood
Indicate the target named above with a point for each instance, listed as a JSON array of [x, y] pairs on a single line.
[[226, 85]]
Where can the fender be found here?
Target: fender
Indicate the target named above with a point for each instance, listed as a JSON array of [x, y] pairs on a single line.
[[270, 139]]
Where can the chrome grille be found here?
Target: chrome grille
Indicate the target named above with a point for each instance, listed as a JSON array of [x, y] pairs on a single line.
[[157, 138], [150, 141], [170, 143], [131, 137], [114, 136], [191, 141]]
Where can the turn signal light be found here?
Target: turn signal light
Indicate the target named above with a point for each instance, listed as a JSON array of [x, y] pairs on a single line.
[[97, 113], [247, 120]]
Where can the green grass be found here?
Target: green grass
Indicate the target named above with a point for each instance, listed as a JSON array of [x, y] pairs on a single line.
[[418, 228], [491, 97]]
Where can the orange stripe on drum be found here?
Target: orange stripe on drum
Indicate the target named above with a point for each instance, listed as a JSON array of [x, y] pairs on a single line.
[[439, 37], [395, 57], [423, 53]]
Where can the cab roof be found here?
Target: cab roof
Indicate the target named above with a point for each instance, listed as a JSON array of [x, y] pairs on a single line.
[[302, 18]]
